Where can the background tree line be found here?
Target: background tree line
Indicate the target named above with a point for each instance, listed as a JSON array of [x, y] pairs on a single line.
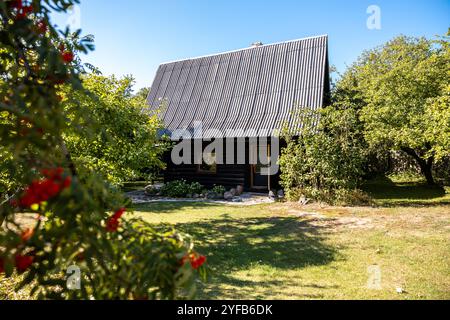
[[394, 98]]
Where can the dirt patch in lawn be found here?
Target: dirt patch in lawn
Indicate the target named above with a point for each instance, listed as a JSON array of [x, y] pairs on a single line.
[[392, 220]]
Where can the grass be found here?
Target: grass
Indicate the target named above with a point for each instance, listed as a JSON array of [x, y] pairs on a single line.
[[398, 191], [285, 251], [288, 251]]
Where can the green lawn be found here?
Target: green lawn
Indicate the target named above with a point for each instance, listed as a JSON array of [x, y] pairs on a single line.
[[398, 191], [285, 251]]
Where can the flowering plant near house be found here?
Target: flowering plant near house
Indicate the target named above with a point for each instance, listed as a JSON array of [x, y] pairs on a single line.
[[78, 219]]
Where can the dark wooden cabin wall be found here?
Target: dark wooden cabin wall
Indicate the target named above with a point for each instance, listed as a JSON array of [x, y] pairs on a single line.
[[227, 175]]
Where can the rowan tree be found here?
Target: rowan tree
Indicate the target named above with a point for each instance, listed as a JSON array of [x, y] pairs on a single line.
[[76, 219]]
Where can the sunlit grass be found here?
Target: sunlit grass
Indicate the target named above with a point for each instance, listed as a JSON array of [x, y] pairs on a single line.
[[270, 252], [286, 251]]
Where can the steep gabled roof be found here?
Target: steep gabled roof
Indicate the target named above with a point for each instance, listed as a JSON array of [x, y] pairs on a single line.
[[252, 91]]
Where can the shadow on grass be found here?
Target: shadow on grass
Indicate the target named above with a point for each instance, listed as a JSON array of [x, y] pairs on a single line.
[[227, 287], [233, 245], [385, 192]]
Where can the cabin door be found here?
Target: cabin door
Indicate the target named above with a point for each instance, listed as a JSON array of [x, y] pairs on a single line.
[[258, 180]]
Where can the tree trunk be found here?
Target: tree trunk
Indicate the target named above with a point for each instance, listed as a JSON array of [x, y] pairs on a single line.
[[426, 165], [427, 172]]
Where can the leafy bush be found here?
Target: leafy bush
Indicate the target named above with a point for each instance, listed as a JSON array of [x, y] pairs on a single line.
[[219, 190], [325, 159], [175, 189], [195, 188], [180, 189], [340, 197], [123, 144]]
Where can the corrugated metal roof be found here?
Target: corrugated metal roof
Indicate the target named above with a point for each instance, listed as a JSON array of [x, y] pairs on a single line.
[[252, 91]]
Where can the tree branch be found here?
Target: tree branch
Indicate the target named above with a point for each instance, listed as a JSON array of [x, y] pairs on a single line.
[[68, 157]]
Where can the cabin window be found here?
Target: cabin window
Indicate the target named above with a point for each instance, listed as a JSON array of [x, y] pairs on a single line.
[[209, 164]]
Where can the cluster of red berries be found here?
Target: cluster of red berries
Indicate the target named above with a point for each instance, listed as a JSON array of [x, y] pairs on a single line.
[[113, 223], [66, 55], [42, 190], [22, 262], [42, 26], [22, 11], [196, 261]]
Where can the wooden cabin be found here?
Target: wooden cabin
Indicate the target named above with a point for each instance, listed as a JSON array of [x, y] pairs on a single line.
[[242, 95]]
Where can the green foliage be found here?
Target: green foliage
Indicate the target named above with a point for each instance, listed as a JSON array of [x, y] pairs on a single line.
[[142, 94], [142, 249], [123, 144], [219, 190], [402, 90], [395, 97], [10, 173], [324, 162], [72, 222], [195, 188], [180, 189], [437, 119]]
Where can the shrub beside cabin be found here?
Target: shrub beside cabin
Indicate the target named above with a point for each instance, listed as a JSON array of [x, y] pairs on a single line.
[[241, 98]]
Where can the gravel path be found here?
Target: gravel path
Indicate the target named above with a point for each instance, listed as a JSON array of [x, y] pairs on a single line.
[[248, 199]]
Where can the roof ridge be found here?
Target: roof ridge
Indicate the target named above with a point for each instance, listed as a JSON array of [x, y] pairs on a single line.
[[242, 49]]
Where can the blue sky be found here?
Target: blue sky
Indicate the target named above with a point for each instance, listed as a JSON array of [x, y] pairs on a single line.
[[135, 36]]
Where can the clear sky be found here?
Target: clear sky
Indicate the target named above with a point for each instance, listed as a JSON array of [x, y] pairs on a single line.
[[135, 36]]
